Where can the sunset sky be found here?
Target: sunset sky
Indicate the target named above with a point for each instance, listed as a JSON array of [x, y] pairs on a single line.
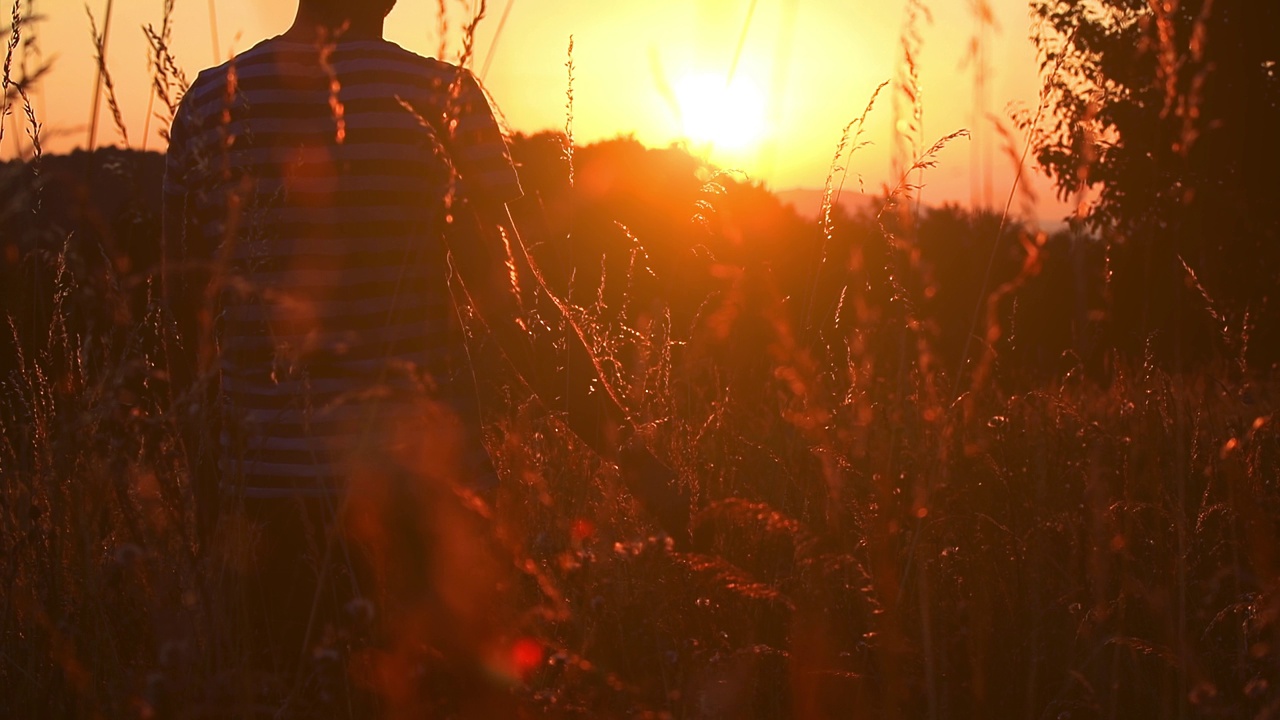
[[656, 69]]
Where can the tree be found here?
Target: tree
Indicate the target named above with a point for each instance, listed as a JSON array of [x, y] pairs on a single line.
[[1165, 114]]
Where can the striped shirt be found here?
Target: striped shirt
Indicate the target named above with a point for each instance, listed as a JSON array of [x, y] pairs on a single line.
[[316, 180]]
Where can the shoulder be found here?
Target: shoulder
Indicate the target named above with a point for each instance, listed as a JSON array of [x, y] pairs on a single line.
[[398, 62], [391, 52], [213, 83], [265, 52]]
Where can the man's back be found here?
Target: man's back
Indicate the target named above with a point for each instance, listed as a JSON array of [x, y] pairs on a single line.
[[316, 175]]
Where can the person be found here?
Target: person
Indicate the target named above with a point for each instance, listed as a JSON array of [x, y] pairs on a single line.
[[310, 190]]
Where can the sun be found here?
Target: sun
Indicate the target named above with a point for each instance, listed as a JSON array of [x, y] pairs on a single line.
[[726, 116]]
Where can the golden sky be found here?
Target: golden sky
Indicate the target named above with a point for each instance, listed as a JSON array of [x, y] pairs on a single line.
[[653, 68]]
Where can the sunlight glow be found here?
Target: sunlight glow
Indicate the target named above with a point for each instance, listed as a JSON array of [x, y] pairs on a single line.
[[729, 117]]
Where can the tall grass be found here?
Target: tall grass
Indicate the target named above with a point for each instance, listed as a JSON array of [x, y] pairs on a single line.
[[864, 540]]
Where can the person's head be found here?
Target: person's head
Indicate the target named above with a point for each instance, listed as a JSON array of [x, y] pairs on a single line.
[[353, 11], [326, 19]]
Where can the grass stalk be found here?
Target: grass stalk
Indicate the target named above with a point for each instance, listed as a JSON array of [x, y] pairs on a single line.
[[104, 84], [6, 77]]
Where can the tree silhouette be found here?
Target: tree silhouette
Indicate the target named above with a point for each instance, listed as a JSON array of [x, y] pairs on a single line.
[[1164, 113]]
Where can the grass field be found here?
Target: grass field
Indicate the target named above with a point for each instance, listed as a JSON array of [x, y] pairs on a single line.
[[879, 527]]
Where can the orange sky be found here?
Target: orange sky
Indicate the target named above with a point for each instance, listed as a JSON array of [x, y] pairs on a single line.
[[813, 64]]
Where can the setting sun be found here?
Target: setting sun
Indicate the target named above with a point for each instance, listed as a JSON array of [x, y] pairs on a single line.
[[728, 116]]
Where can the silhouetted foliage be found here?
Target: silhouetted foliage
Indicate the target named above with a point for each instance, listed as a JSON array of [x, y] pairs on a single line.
[[642, 232], [89, 221], [1167, 111], [863, 543], [670, 232]]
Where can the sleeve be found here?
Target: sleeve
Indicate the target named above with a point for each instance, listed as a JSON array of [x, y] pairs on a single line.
[[175, 213], [184, 258], [182, 276], [479, 150]]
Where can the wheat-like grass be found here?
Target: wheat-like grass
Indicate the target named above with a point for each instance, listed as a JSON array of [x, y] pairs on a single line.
[[168, 79], [105, 82], [15, 36], [568, 111]]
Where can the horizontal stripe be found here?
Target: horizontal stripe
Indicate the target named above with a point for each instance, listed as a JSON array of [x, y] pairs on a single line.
[[339, 246], [242, 352], [404, 173], [349, 366], [355, 96], [417, 318], [256, 492], [319, 386], [239, 292], [289, 426], [378, 103], [371, 177], [326, 222], [421, 86], [341, 213], [354, 305], [332, 419], [318, 134], [436, 303], [407, 202], [264, 62], [318, 280], [309, 256], [291, 155], [336, 298], [266, 126], [276, 53], [284, 471], [311, 225], [338, 343]]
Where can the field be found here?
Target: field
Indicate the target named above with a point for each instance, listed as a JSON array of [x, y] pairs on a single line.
[[927, 462]]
